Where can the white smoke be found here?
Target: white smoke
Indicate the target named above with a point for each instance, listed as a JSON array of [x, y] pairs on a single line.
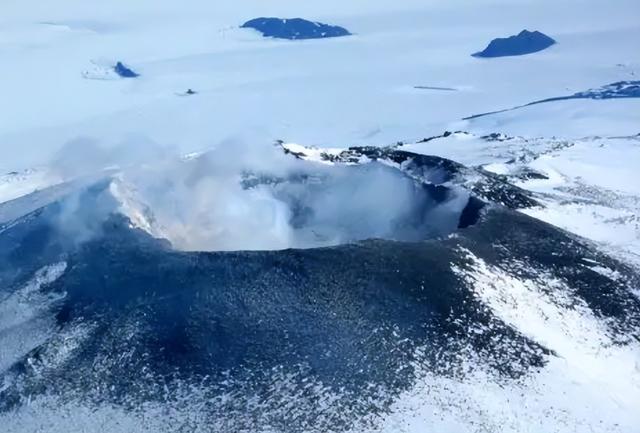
[[86, 156], [242, 196]]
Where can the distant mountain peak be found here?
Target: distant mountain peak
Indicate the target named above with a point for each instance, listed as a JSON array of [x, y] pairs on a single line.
[[525, 42], [124, 71], [294, 28]]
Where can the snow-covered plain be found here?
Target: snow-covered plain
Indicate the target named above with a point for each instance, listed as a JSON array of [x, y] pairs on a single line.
[[377, 87], [338, 92]]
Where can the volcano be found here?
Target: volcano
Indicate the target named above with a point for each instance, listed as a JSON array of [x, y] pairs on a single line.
[[325, 337]]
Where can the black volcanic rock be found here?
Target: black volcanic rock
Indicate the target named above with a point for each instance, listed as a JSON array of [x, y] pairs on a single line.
[[525, 42], [295, 28], [124, 71]]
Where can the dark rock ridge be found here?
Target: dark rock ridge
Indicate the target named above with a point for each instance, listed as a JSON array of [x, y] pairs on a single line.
[[617, 90], [294, 28], [525, 42], [434, 170]]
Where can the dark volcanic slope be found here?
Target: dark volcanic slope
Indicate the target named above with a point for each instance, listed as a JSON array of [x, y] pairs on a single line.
[[297, 340]]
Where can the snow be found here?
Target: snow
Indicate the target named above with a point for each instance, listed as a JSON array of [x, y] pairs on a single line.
[[571, 119], [600, 195], [312, 153], [329, 93], [590, 384], [17, 184], [592, 187], [24, 324]]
